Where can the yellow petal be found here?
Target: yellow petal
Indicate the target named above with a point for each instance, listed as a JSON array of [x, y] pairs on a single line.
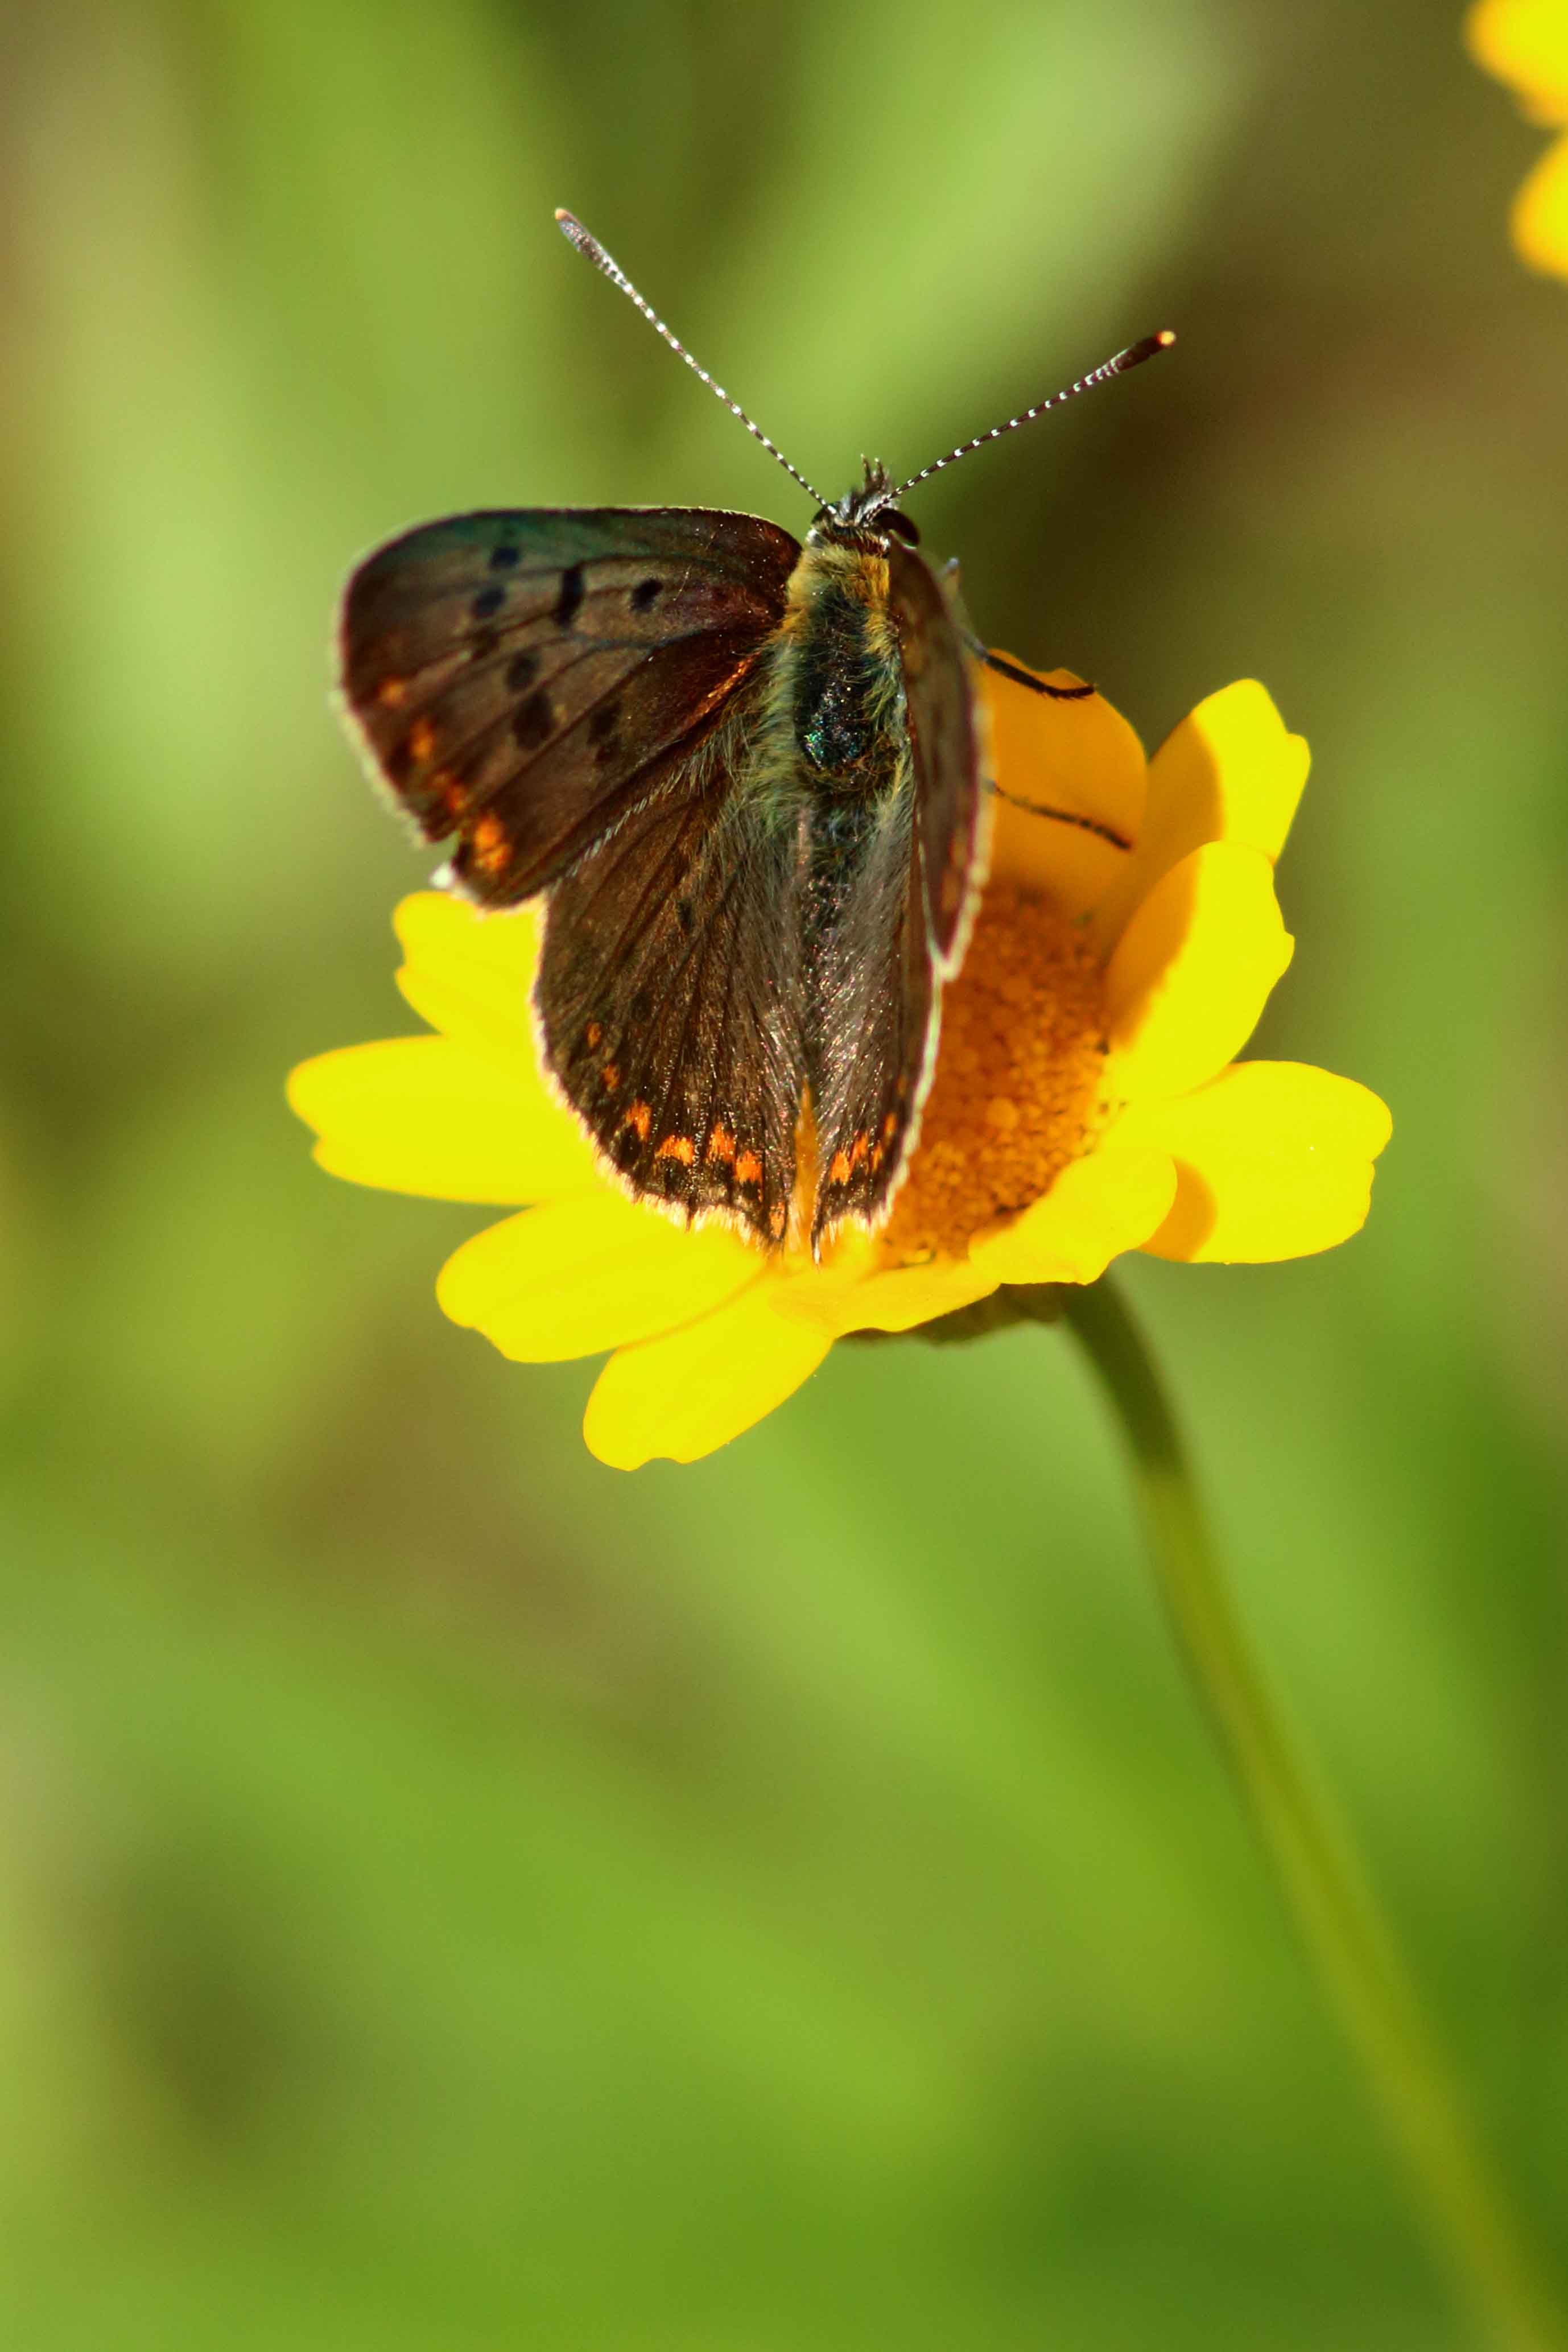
[[470, 974], [1228, 772], [1525, 42], [894, 1300], [1108, 1202], [1081, 757], [427, 1115], [588, 1273], [1539, 219], [692, 1392], [1192, 972], [1273, 1160]]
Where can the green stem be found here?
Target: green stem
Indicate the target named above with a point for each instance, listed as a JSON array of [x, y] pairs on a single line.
[[1366, 1981]]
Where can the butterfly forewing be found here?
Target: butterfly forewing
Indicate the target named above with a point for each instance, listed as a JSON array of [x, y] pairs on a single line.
[[517, 675]]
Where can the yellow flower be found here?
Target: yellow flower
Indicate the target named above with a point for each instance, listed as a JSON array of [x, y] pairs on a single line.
[[1085, 1103], [1525, 43]]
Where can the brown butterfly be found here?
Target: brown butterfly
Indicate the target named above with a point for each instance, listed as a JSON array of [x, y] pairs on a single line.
[[745, 775]]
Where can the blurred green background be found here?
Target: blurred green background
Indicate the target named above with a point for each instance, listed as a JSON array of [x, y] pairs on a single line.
[[451, 1893]]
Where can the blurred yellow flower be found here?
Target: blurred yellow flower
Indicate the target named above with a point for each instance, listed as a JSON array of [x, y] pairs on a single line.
[[1085, 1103], [1525, 43]]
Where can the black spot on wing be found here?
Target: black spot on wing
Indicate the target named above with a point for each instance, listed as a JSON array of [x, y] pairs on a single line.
[[535, 722], [569, 602], [604, 732]]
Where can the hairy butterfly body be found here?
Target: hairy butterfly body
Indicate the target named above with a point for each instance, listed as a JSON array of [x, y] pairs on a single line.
[[745, 778]]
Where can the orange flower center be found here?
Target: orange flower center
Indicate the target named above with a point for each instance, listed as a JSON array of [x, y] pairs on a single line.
[[1018, 1083]]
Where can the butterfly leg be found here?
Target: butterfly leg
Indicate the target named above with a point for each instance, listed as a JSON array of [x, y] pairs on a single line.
[[1021, 676], [1061, 816]]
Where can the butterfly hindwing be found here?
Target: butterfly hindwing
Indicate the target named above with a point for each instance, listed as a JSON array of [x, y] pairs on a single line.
[[517, 675], [873, 1021], [669, 989]]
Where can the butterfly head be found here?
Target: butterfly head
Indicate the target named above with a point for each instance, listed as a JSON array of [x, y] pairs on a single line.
[[865, 517]]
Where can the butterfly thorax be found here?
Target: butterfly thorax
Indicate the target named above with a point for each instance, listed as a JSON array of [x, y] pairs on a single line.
[[839, 673]]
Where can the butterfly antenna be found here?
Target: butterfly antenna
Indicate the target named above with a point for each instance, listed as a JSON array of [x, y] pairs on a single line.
[[1133, 356], [576, 234]]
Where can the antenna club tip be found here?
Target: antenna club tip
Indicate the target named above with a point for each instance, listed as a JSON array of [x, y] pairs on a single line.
[[1136, 353]]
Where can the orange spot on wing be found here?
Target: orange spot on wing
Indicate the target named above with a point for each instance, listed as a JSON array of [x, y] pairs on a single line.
[[838, 1172], [392, 691], [859, 1148], [678, 1146], [595, 1036], [421, 740], [448, 792], [748, 1168], [490, 843], [777, 1216], [722, 1145], [890, 1127], [612, 1074], [640, 1116]]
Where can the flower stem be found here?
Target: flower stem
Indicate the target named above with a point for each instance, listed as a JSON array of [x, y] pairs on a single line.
[[1363, 1978]]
